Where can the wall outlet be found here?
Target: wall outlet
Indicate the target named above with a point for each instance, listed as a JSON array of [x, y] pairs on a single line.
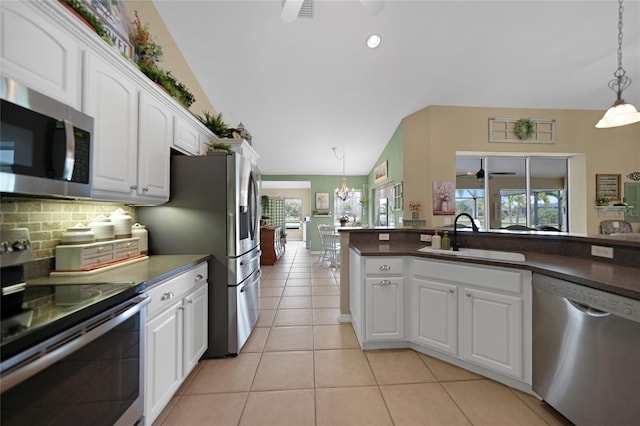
[[383, 237], [602, 251], [425, 237], [447, 221]]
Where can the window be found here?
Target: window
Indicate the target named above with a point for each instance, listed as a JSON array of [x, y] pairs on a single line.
[[292, 209], [513, 192], [350, 208]]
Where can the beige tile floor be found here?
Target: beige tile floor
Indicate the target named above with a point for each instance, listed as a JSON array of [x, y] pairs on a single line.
[[302, 367]]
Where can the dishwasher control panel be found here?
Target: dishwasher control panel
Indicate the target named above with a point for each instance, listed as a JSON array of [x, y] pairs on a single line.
[[601, 300]]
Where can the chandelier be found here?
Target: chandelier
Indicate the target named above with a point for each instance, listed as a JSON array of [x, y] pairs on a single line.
[[620, 113], [343, 192]]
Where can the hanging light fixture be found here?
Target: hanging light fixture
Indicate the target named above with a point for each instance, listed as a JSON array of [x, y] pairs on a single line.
[[480, 174], [343, 192], [620, 113]]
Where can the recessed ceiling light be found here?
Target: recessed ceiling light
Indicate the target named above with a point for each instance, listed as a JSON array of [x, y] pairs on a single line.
[[373, 41]]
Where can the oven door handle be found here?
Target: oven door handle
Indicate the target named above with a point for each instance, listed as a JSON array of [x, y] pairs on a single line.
[[50, 352]]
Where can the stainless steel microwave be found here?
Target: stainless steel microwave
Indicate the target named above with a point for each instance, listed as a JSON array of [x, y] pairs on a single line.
[[45, 145]]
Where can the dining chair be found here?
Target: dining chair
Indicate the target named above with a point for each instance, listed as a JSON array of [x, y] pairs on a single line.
[[330, 241]]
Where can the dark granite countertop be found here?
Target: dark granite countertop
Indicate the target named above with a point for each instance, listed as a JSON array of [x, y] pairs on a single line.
[[147, 272], [622, 280]]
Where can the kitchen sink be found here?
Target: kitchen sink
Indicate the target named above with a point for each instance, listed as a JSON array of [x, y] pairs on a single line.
[[477, 253]]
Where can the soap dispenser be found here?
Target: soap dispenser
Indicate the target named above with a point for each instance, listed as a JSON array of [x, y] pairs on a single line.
[[446, 241], [435, 241]]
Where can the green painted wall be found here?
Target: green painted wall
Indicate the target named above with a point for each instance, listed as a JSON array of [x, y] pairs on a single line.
[[320, 183], [393, 154]]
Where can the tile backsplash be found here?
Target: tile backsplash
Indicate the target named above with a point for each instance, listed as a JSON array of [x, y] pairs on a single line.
[[47, 219]]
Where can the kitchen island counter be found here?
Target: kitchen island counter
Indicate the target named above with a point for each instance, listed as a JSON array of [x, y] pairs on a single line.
[[612, 278]]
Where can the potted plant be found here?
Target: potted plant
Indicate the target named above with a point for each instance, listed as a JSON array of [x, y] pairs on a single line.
[[147, 54], [215, 123], [76, 7], [602, 201], [220, 147]]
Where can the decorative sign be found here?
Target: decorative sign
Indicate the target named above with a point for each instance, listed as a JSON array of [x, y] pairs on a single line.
[[114, 18], [608, 186]]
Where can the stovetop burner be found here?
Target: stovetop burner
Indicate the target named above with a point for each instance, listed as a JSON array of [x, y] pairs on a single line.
[[33, 313]]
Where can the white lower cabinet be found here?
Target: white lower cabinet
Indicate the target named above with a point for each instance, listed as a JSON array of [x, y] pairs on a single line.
[[384, 308], [434, 313], [476, 313], [491, 330], [377, 298], [176, 336]]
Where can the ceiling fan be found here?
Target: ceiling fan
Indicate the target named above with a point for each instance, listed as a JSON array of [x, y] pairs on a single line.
[[480, 174], [291, 9]]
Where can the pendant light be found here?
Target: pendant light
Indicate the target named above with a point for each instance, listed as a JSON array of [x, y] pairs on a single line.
[[620, 113], [480, 174], [343, 192]]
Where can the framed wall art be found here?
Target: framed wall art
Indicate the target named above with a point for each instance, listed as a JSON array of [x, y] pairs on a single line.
[[444, 199], [322, 201], [380, 172], [608, 186]]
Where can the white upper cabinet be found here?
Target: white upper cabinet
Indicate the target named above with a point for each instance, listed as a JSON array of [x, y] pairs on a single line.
[[38, 53], [112, 99], [154, 138], [48, 49]]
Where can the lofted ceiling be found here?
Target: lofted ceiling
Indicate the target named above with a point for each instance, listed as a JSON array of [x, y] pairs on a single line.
[[303, 87]]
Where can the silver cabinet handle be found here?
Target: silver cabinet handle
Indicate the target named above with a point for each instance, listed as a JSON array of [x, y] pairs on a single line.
[[145, 189], [190, 302], [199, 277], [385, 268], [451, 291], [167, 296], [134, 187], [468, 294], [385, 282]]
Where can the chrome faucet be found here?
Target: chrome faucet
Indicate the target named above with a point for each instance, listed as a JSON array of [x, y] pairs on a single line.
[[454, 242]]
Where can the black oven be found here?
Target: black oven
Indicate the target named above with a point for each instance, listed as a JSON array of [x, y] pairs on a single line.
[[45, 146], [90, 373]]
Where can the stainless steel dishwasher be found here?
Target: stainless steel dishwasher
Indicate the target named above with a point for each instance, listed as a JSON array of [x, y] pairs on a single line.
[[586, 352]]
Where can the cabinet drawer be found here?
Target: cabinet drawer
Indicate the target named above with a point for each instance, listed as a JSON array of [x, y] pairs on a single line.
[[491, 278], [97, 249], [97, 260], [128, 244], [171, 291], [384, 265], [127, 253]]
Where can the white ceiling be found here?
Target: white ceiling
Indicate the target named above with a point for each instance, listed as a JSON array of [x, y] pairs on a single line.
[[301, 88]]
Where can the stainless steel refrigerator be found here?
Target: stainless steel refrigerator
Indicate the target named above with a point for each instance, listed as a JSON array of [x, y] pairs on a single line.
[[214, 209]]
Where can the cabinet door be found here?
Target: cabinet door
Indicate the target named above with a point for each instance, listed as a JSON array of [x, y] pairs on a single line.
[[434, 315], [195, 327], [164, 359], [39, 54], [111, 98], [491, 330], [384, 309], [186, 136], [154, 139]]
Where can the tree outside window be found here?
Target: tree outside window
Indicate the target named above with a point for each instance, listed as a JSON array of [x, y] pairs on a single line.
[[349, 208]]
